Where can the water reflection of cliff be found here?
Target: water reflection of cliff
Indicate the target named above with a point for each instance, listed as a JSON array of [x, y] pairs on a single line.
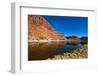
[[42, 51]]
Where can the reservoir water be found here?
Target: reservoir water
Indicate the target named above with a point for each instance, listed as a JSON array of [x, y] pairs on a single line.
[[43, 51]]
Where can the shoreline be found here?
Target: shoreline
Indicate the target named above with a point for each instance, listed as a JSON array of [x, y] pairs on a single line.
[[52, 40], [77, 54]]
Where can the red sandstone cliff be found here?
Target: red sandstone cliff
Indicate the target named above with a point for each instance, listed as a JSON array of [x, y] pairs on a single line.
[[40, 29]]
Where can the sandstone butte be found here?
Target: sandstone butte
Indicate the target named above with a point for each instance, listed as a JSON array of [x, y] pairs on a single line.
[[40, 29]]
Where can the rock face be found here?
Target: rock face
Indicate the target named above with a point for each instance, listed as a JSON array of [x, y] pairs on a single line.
[[39, 20], [40, 29]]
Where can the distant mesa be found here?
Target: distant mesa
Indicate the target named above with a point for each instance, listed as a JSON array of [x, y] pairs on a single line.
[[73, 37], [40, 29], [84, 40]]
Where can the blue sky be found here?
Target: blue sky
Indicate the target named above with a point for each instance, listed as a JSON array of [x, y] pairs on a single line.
[[69, 25]]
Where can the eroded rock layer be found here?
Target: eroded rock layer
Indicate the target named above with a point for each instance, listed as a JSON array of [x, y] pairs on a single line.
[[40, 29]]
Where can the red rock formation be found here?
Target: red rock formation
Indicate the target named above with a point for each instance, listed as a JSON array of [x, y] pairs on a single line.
[[39, 20], [40, 29]]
